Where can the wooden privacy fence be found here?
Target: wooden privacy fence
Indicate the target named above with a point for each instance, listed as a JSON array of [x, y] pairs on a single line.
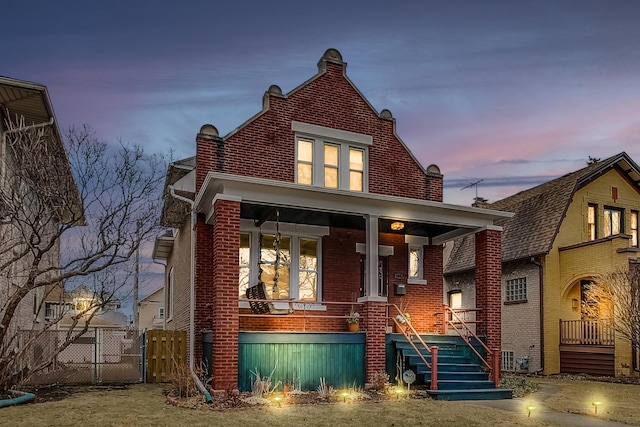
[[165, 351]]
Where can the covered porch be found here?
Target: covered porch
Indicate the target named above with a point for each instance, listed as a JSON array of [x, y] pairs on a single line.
[[324, 254]]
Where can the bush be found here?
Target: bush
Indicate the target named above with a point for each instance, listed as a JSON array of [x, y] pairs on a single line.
[[520, 384]]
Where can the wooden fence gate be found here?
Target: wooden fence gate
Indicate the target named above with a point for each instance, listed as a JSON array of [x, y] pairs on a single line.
[[165, 350]]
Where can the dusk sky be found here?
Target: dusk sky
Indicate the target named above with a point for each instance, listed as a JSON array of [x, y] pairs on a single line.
[[511, 92]]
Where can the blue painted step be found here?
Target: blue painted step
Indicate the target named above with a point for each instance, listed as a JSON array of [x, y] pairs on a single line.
[[460, 376]]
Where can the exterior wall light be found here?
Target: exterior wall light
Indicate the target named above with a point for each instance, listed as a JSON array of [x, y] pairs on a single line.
[[397, 226]]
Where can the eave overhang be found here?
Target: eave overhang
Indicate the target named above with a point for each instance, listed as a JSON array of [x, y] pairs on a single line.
[[439, 221]]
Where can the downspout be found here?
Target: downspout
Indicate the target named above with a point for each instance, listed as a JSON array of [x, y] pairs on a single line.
[[540, 285], [191, 275]]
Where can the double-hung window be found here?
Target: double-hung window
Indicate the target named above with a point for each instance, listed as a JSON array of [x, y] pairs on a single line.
[[591, 222], [613, 221], [331, 158], [633, 228]]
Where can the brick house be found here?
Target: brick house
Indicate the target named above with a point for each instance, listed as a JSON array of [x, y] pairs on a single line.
[[564, 233], [317, 197]]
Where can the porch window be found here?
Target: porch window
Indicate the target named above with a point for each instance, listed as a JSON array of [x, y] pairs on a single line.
[[613, 223], [415, 262], [298, 271], [516, 290], [591, 222], [633, 228]]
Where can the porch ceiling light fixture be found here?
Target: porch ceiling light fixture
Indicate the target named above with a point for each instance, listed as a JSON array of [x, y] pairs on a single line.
[[397, 226]]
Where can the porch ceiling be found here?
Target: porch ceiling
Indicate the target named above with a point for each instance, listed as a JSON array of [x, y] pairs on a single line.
[[328, 219], [302, 204]]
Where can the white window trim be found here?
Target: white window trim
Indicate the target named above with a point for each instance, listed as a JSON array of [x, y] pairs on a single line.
[[418, 242], [345, 140], [295, 232]]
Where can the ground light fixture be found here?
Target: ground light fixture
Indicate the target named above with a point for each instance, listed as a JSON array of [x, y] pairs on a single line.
[[278, 400], [530, 408], [344, 396], [595, 405], [398, 392]]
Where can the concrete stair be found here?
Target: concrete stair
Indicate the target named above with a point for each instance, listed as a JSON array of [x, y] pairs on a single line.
[[460, 375]]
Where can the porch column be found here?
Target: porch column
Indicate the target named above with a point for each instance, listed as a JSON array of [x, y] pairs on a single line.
[[371, 258], [489, 287], [224, 305]]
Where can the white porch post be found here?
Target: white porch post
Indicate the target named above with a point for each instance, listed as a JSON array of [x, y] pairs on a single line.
[[371, 257]]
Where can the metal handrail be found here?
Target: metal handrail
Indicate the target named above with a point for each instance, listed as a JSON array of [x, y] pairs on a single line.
[[409, 336], [495, 370]]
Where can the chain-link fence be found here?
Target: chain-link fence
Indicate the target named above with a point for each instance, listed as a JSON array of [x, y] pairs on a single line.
[[99, 356]]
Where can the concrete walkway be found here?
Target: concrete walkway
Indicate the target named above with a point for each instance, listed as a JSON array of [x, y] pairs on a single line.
[[543, 412]]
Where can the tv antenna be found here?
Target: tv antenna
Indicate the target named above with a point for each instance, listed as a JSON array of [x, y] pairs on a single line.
[[473, 184]]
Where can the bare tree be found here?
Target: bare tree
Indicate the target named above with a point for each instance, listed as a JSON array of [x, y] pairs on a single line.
[[70, 214], [616, 296]]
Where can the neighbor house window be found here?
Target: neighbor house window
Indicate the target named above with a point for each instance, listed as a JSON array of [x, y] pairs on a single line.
[[612, 221], [633, 228], [331, 158], [170, 284], [415, 262], [160, 312], [298, 265], [591, 222], [516, 290], [508, 361]]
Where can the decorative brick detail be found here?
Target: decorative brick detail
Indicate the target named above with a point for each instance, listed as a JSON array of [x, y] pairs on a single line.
[[489, 287]]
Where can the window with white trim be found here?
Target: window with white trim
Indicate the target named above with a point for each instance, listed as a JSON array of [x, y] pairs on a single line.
[[416, 257], [331, 158], [170, 283], [591, 222], [508, 362], [298, 265], [516, 290], [160, 312]]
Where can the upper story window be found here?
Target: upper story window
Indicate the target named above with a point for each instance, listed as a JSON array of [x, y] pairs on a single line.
[[331, 158], [633, 228], [591, 222], [612, 221]]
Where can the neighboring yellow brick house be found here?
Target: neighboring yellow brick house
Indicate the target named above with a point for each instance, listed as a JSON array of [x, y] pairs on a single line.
[[564, 233]]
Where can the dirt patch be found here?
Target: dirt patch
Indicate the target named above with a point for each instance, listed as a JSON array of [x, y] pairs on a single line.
[[55, 393]]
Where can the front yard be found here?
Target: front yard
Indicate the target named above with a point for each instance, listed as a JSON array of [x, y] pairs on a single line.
[[146, 405]]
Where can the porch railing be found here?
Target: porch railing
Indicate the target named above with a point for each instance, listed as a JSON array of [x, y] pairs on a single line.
[[409, 332], [453, 320], [587, 332]]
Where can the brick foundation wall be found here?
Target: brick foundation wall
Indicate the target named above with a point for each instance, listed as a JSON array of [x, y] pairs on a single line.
[[376, 335]]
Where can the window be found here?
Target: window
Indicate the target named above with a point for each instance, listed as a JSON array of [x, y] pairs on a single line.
[[613, 223], [331, 164], [516, 290], [305, 162], [591, 222], [170, 284], [298, 270], [160, 312], [508, 361], [49, 311], [331, 158], [415, 262], [633, 228]]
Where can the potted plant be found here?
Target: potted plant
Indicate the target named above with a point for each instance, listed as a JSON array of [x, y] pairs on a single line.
[[402, 321], [353, 321]]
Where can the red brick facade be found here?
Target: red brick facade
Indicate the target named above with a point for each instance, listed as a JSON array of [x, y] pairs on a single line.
[[489, 287]]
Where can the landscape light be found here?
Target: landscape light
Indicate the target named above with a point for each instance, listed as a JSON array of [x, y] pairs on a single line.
[[596, 404], [278, 400], [529, 409], [344, 396], [398, 392]]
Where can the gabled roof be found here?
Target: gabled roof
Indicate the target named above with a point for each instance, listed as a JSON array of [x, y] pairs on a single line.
[[539, 212], [20, 98]]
